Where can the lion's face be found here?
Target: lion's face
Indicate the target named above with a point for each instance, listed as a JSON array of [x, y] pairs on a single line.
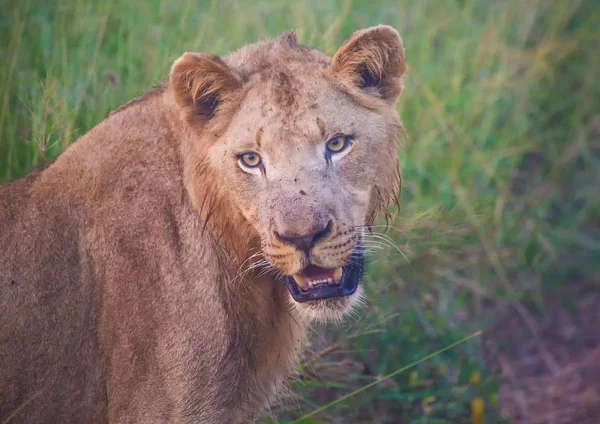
[[309, 157], [304, 177]]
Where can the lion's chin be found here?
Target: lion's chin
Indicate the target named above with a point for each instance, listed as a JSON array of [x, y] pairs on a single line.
[[327, 310]]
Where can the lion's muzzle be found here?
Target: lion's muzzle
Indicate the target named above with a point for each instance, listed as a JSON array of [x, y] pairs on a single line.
[[318, 231]]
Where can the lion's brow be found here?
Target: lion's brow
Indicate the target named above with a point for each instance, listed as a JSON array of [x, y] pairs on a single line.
[[321, 125], [258, 136]]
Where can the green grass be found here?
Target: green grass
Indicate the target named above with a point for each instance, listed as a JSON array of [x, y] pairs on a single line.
[[502, 164]]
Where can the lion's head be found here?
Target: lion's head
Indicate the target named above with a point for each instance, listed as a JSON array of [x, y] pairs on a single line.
[[295, 153]]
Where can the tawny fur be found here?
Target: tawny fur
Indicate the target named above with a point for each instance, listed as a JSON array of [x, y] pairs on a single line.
[[140, 272]]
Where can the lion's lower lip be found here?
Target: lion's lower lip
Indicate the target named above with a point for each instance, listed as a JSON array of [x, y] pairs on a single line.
[[351, 276]]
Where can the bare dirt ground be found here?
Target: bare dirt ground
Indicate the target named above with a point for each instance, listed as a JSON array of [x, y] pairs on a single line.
[[553, 376]]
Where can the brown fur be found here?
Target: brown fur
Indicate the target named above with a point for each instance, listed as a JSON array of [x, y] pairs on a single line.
[[139, 272]]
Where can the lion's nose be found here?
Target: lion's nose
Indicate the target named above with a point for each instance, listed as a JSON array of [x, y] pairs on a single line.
[[305, 242]]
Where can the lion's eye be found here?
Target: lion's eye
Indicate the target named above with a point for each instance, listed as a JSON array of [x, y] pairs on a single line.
[[250, 160], [338, 144]]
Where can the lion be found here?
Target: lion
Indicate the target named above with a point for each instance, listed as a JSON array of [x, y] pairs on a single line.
[[166, 267]]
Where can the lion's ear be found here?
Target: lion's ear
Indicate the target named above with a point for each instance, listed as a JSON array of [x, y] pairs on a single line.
[[201, 83], [373, 61]]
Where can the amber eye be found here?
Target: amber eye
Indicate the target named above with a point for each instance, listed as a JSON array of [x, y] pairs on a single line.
[[338, 144], [250, 160]]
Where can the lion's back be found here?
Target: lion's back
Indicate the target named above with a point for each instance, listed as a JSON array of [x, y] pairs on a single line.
[[46, 310]]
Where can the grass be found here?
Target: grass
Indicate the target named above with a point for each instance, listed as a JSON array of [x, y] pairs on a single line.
[[502, 164]]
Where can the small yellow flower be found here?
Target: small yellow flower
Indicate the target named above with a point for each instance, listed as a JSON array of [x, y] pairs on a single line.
[[477, 411], [475, 379], [426, 405], [413, 379]]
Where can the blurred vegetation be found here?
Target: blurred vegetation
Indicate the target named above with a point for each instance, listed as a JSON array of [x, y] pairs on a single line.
[[501, 166]]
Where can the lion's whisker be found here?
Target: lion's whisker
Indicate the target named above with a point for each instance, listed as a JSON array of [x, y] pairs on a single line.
[[381, 238]]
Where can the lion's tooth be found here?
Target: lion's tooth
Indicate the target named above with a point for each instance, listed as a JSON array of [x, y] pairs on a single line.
[[337, 275], [301, 281]]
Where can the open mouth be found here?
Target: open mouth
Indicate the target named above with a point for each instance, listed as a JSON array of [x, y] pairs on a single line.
[[315, 283]]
